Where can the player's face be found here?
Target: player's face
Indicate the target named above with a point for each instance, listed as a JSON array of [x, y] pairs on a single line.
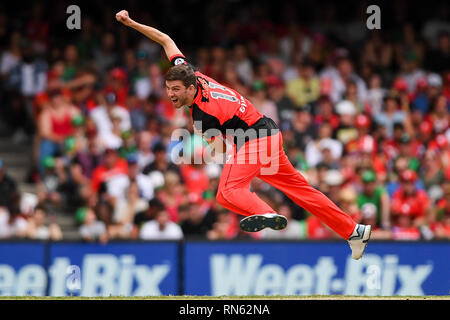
[[178, 93]]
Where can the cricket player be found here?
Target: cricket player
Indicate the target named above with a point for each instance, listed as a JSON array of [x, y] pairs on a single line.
[[257, 148]]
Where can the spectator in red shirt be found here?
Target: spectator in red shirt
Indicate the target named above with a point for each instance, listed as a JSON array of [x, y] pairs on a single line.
[[172, 195], [410, 201], [195, 177], [325, 112], [118, 84], [110, 172]]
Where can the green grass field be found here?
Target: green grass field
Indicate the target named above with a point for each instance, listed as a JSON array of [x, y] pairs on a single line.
[[313, 297]]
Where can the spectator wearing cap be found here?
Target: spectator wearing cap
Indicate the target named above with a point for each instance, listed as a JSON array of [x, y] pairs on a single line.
[[425, 135], [332, 183], [420, 100], [369, 217], [434, 86], [347, 112], [409, 150], [277, 93], [362, 125], [78, 140], [118, 84], [128, 148], [375, 194], [365, 152], [399, 165], [103, 116], [410, 201], [306, 87], [161, 228]]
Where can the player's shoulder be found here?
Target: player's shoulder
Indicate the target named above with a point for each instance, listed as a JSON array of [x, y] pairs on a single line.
[[201, 76]]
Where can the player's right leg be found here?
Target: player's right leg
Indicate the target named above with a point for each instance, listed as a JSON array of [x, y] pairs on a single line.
[[258, 222]]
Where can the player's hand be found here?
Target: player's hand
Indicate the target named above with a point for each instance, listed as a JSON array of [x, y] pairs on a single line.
[[123, 17]]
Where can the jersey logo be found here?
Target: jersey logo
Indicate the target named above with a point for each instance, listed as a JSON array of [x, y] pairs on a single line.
[[205, 88], [179, 61]]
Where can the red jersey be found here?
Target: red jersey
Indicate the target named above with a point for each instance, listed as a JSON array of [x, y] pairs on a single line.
[[218, 109], [412, 205], [102, 174], [196, 180]]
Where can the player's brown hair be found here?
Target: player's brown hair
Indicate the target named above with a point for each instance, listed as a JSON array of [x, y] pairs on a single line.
[[184, 73]]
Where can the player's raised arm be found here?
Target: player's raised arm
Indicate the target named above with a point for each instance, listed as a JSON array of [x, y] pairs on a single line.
[[163, 39]]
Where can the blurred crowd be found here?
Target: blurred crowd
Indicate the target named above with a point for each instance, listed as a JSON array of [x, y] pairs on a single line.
[[364, 116]]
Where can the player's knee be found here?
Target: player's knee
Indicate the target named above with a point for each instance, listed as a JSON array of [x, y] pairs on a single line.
[[220, 199], [228, 194]]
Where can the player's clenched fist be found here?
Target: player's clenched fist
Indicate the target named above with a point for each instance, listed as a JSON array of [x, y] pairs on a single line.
[[123, 17]]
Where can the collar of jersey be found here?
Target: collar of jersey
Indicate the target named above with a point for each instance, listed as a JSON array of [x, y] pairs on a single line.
[[195, 95]]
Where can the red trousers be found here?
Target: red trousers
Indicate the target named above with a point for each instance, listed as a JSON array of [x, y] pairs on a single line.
[[265, 158]]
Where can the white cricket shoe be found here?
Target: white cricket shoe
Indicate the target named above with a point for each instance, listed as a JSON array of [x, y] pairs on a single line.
[[358, 240]]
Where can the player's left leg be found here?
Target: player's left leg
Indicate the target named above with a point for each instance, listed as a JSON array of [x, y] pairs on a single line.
[[294, 185], [287, 179]]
